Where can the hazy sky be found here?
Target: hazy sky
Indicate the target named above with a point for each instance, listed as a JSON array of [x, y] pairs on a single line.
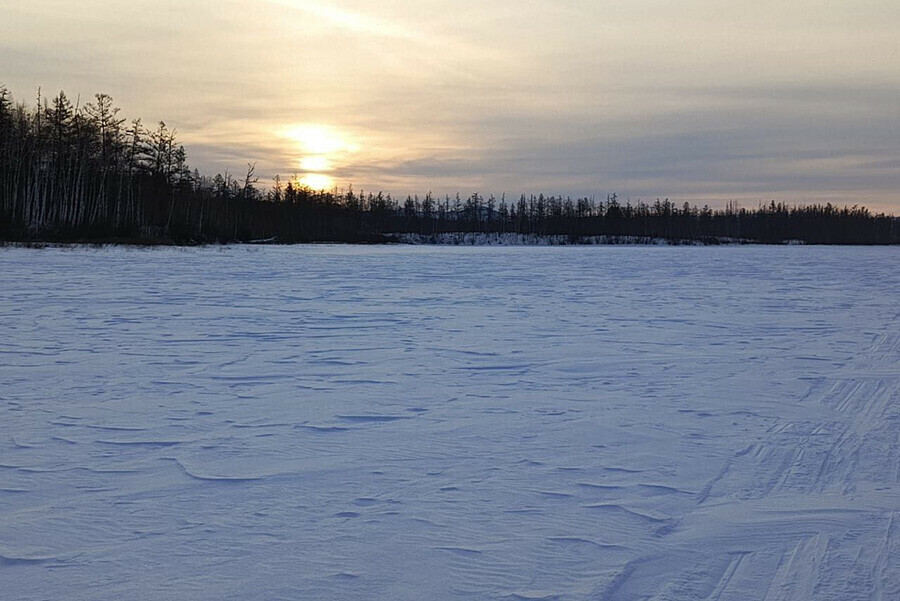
[[700, 100]]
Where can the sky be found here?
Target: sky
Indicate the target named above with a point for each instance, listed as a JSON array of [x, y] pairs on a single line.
[[705, 101]]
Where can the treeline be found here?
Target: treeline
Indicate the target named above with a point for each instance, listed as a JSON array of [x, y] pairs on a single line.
[[82, 172], [585, 217]]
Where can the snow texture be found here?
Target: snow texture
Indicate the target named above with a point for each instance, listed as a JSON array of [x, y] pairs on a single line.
[[409, 423]]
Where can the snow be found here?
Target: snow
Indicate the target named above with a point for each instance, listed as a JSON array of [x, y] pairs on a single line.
[[513, 239], [336, 422]]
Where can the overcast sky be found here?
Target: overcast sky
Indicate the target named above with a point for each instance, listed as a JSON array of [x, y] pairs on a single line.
[[698, 100]]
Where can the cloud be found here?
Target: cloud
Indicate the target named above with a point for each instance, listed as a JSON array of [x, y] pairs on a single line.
[[353, 21], [697, 99]]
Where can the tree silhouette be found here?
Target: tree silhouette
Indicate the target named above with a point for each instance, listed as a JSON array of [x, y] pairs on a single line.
[[71, 172]]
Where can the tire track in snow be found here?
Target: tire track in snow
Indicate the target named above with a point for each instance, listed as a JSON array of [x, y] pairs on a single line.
[[849, 436]]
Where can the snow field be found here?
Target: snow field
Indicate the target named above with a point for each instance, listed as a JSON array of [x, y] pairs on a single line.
[[328, 422]]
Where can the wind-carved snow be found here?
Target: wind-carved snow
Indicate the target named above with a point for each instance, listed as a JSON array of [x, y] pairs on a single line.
[[450, 423]]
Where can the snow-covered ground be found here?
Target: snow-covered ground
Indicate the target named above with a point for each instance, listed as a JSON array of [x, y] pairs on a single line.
[[509, 239], [423, 423]]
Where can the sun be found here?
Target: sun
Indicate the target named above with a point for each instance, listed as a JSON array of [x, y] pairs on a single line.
[[321, 148], [319, 140], [316, 181], [315, 163]]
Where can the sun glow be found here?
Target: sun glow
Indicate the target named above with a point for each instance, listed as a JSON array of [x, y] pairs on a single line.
[[316, 181], [315, 163], [319, 139], [322, 148]]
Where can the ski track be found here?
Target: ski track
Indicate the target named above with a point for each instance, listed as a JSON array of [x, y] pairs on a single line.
[[328, 422]]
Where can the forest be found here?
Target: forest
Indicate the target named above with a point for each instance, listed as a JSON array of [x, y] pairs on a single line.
[[82, 173]]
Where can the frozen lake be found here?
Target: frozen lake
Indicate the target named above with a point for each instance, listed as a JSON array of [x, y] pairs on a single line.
[[428, 423]]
